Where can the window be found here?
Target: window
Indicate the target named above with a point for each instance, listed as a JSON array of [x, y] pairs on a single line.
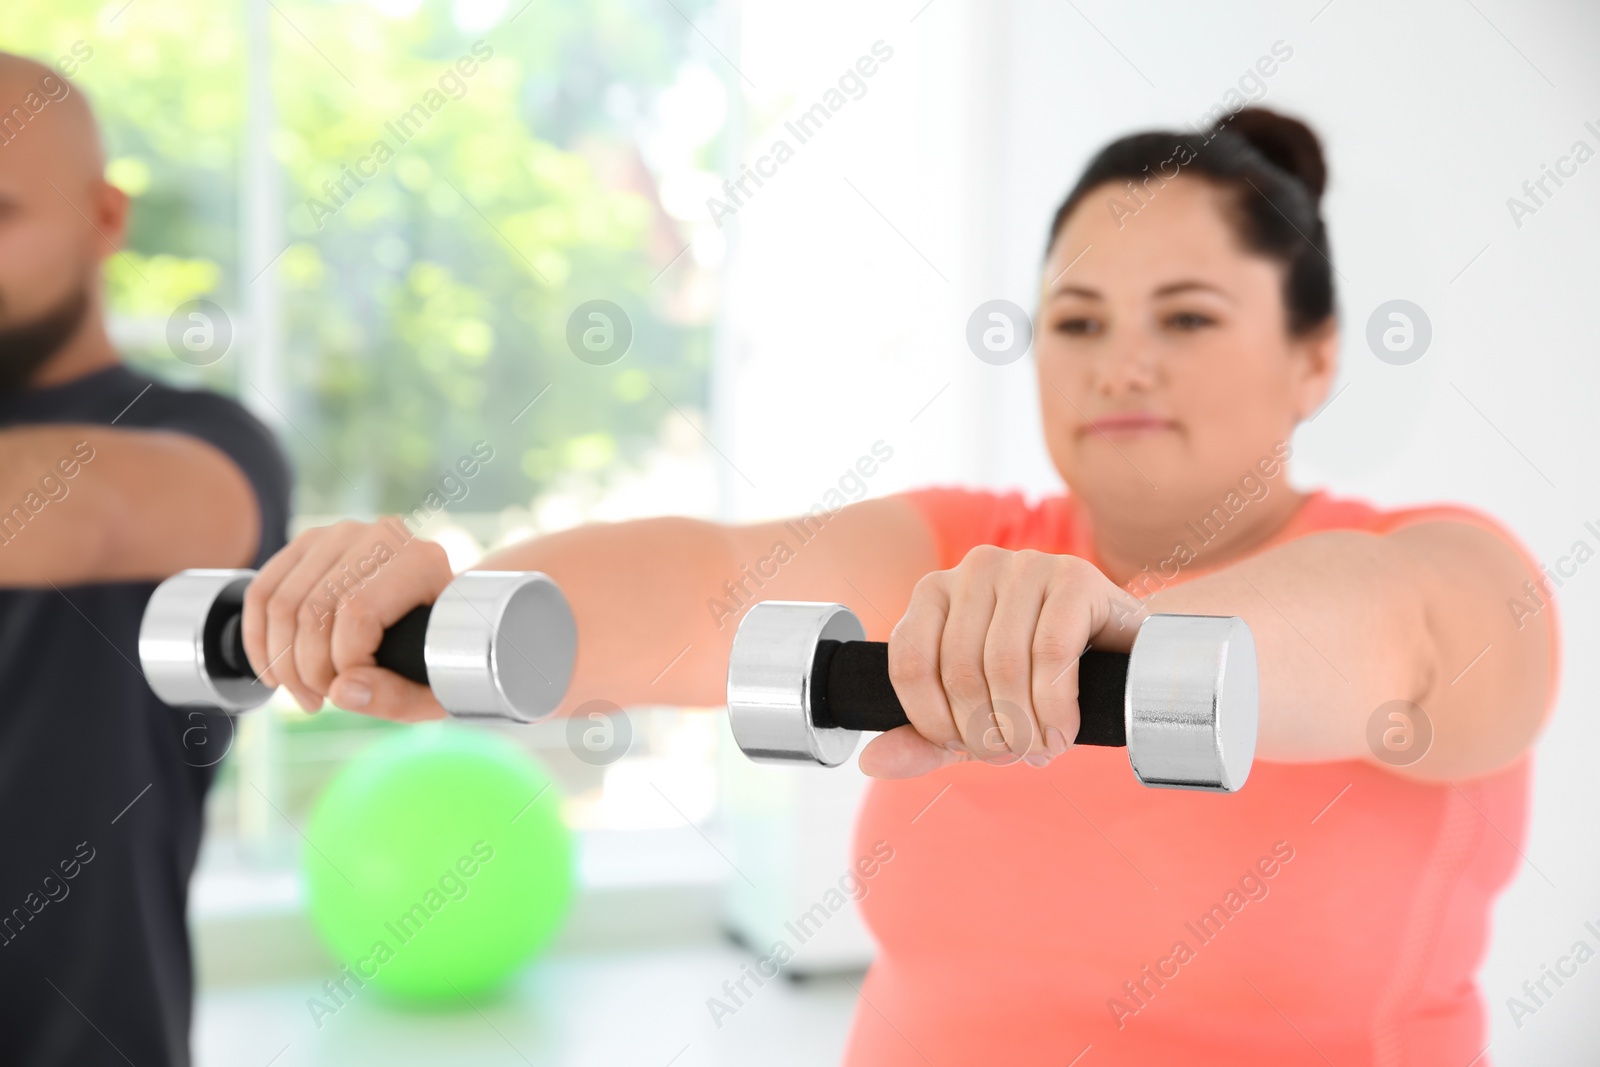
[[396, 213]]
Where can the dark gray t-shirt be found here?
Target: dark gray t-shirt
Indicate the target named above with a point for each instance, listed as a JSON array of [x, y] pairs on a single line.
[[102, 786]]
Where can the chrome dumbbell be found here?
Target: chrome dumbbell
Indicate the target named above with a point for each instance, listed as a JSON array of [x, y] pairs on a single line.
[[495, 645], [803, 684]]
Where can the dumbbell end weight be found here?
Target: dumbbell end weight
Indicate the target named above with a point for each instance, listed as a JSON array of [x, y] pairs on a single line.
[[1193, 702], [770, 682], [501, 646], [181, 641]]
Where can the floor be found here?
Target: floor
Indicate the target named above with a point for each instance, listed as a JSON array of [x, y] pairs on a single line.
[[636, 1008]]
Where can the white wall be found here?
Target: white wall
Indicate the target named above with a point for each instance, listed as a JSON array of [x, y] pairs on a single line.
[[850, 313], [854, 268]]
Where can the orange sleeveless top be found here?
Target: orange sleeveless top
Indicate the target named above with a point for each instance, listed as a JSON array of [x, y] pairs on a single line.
[[1326, 913]]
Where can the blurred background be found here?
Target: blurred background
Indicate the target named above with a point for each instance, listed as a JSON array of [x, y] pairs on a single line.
[[388, 312]]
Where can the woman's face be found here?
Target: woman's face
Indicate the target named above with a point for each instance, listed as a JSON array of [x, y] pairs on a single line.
[[1166, 370]]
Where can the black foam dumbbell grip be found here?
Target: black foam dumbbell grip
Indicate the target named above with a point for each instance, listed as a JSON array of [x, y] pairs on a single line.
[[850, 690], [400, 650]]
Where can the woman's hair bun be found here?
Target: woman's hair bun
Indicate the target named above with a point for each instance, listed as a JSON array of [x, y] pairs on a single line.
[[1286, 142]]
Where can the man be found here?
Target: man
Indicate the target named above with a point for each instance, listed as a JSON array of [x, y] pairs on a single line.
[[109, 482]]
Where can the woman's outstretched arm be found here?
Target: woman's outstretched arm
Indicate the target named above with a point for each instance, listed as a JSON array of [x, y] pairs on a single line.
[[1347, 621], [1344, 623]]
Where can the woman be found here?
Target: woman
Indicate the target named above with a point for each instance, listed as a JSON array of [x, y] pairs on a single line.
[[1041, 905]]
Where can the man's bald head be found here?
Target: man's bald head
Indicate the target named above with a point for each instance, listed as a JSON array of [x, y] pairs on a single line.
[[46, 120], [59, 220]]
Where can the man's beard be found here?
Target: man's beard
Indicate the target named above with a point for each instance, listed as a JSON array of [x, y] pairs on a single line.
[[27, 346]]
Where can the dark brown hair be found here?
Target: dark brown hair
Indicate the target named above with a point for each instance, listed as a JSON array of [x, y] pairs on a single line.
[[1273, 168]]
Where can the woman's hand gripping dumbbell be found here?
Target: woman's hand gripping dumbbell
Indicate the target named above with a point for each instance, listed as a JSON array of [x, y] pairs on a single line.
[[803, 684], [489, 644]]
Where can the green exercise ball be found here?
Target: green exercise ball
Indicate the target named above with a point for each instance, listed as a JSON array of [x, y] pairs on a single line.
[[436, 863]]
